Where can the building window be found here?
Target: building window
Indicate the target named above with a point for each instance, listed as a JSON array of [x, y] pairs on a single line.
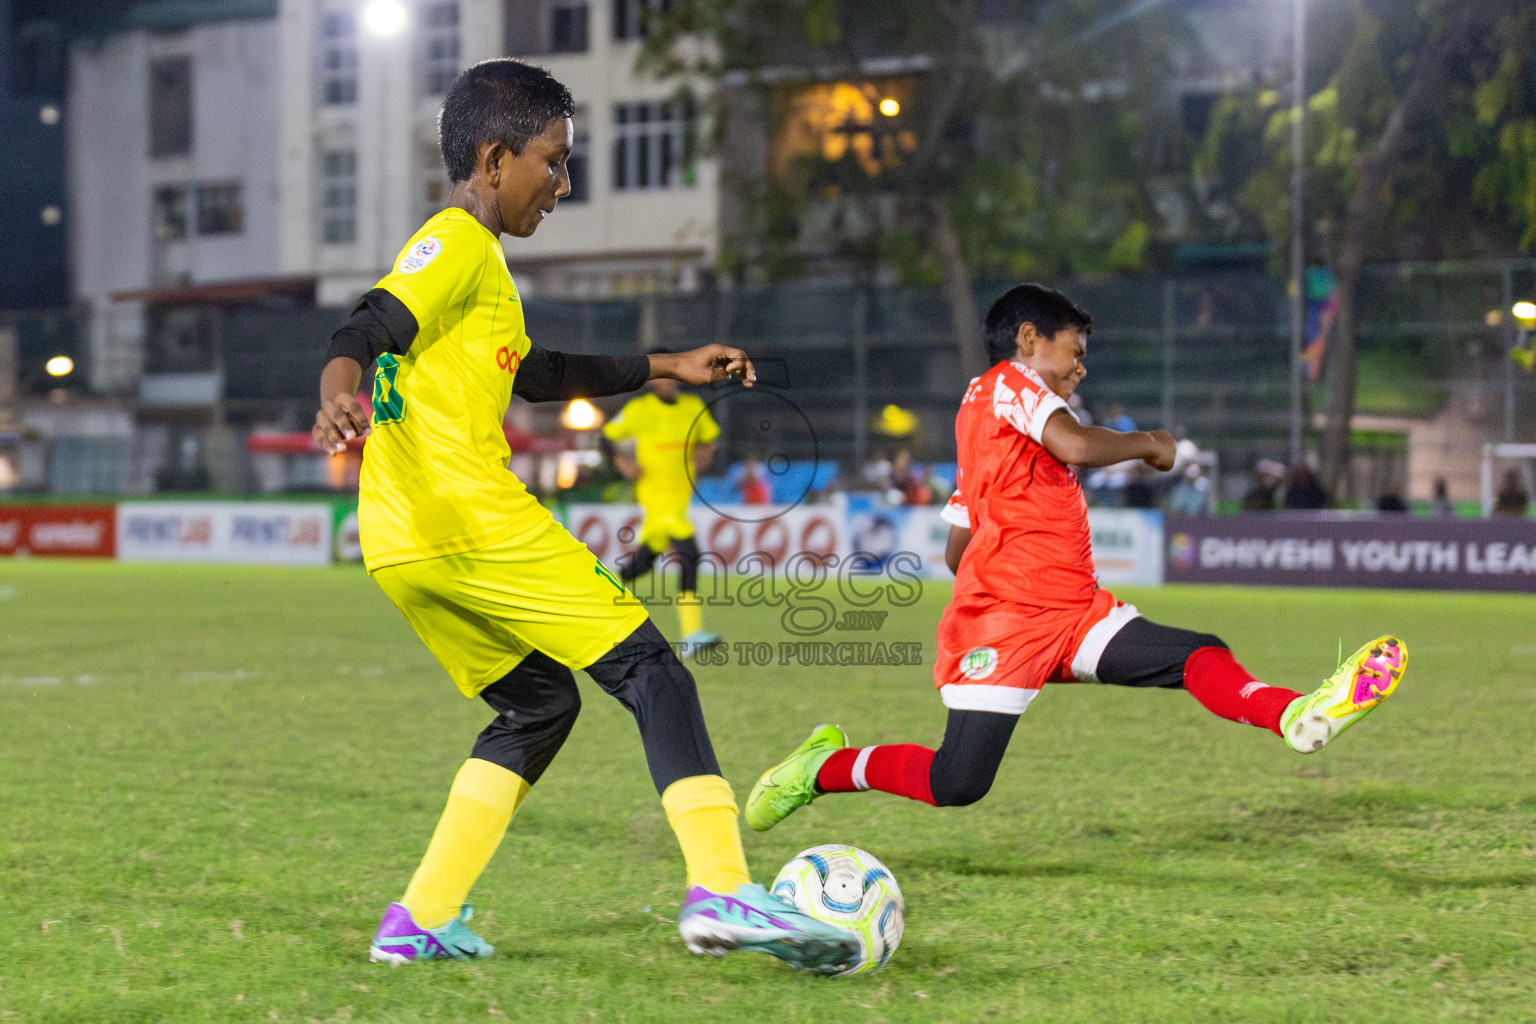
[[649, 146], [220, 209], [578, 166], [433, 184], [439, 46], [338, 196], [338, 57], [632, 18], [170, 106], [567, 21], [171, 213]]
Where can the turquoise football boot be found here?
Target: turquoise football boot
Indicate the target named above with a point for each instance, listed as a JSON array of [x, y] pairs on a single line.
[[400, 940], [752, 918]]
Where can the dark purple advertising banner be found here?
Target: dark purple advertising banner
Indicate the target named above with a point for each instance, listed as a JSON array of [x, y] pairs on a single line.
[[1340, 550]]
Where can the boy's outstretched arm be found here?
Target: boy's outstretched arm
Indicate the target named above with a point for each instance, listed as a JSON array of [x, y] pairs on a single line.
[[706, 364], [548, 375], [1077, 445], [341, 415]]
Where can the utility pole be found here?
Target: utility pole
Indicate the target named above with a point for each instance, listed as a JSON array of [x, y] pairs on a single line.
[[1298, 286]]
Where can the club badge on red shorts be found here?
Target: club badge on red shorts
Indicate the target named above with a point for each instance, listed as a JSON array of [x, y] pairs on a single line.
[[978, 663]]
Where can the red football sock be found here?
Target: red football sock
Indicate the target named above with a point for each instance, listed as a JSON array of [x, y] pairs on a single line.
[[1227, 689], [900, 768]]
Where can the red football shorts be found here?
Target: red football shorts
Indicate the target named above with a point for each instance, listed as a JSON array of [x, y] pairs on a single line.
[[995, 656]]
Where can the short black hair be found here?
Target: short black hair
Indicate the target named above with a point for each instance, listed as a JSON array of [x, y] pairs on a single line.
[[1046, 308], [501, 100]]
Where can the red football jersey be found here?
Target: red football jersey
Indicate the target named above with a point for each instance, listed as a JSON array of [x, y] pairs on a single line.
[[1030, 542]]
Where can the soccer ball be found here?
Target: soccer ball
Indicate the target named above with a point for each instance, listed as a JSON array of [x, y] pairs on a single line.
[[851, 889]]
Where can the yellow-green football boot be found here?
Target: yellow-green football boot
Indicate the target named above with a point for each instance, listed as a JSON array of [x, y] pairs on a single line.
[[1367, 678], [791, 784]]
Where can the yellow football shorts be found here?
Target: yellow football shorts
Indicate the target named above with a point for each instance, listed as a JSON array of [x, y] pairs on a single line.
[[481, 612], [663, 525]]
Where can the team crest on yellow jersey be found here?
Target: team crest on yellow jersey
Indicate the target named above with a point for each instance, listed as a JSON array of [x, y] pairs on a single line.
[[388, 403]]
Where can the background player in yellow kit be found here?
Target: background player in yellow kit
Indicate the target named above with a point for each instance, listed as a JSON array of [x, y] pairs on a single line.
[[670, 429], [505, 598]]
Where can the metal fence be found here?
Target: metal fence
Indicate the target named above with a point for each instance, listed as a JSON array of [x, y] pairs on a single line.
[[1202, 353]]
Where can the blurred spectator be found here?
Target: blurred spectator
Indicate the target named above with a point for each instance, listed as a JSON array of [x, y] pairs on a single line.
[[918, 489], [1513, 499], [1302, 489], [1265, 488], [753, 487], [1139, 492], [1115, 418], [1192, 496], [1441, 506], [908, 485], [1079, 408], [1391, 501], [875, 474]]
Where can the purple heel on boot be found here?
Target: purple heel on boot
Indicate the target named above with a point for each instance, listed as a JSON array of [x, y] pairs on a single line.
[[400, 940]]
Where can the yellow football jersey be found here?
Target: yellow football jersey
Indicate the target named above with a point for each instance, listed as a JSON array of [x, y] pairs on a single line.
[[664, 433], [434, 477]]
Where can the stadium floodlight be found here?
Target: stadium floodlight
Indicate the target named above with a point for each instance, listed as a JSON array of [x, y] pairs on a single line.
[[1524, 310], [889, 107], [384, 17], [581, 415], [60, 366]]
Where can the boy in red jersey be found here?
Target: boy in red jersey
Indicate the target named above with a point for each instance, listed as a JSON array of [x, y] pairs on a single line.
[[1027, 608]]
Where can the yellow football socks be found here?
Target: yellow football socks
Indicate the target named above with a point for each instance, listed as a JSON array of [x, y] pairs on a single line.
[[702, 811], [480, 806], [690, 613]]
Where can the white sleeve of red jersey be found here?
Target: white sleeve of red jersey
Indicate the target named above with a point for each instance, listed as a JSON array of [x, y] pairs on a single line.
[[1021, 398], [955, 513]]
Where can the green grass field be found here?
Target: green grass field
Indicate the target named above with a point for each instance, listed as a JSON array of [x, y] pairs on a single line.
[[214, 780]]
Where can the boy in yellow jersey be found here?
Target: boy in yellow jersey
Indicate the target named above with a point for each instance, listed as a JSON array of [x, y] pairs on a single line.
[[670, 431], [504, 597]]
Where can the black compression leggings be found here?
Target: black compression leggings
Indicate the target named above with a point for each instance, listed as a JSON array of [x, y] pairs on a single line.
[[968, 759], [537, 704], [1141, 654], [643, 559]]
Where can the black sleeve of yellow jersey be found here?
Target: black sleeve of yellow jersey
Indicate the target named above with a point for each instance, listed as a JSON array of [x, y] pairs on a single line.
[[549, 376], [379, 323]]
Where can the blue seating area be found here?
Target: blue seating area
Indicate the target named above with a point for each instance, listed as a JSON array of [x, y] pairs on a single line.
[[799, 478]]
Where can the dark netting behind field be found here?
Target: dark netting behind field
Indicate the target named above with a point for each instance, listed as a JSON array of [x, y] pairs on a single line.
[[1203, 353]]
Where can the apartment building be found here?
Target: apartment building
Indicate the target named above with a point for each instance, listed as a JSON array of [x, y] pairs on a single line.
[[284, 150], [361, 170]]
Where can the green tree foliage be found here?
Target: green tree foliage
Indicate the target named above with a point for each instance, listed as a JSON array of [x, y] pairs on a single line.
[[1031, 143], [1420, 142]]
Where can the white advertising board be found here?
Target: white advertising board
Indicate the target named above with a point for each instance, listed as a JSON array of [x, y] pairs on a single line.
[[1127, 543], [1127, 546], [240, 533], [729, 531]]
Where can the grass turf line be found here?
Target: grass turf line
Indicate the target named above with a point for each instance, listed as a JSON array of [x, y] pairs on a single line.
[[214, 779]]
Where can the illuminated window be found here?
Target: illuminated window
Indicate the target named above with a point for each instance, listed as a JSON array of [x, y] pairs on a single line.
[[861, 125]]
